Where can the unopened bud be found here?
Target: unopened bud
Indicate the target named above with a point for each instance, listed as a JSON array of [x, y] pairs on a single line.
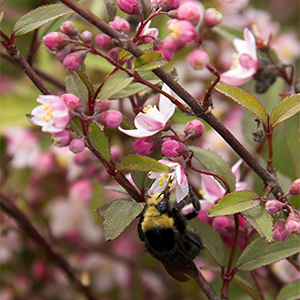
[[212, 17], [293, 223], [194, 129], [131, 7], [62, 139], [73, 101], [55, 40], [69, 29], [74, 60], [273, 207], [86, 36], [81, 190], [120, 24], [101, 106], [198, 59], [222, 224], [164, 5], [295, 187], [281, 231], [187, 11], [77, 145], [145, 146], [110, 118], [104, 42], [172, 148]]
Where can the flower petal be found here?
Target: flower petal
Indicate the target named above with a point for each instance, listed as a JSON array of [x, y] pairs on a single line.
[[147, 122], [166, 106]]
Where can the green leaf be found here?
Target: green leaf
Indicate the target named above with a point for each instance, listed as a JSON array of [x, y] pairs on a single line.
[[40, 16], [116, 188], [285, 109], [244, 99], [210, 239], [290, 292], [244, 285], [150, 61], [228, 32], [234, 203], [99, 140], [215, 163], [141, 180], [260, 253], [136, 87], [114, 84], [74, 85], [142, 163], [85, 78], [261, 221], [118, 216], [76, 126]]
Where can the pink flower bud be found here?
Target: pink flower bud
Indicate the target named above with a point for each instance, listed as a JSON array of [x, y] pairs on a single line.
[[212, 17], [69, 29], [39, 270], [101, 106], [110, 118], [131, 7], [116, 153], [194, 129], [104, 42], [281, 231], [44, 163], [60, 54], [165, 5], [293, 223], [187, 11], [273, 207], [72, 101], [81, 190], [77, 145], [222, 224], [120, 24], [181, 33], [55, 40], [295, 187], [86, 36], [62, 139], [145, 146], [172, 148], [158, 45], [73, 61], [114, 53], [198, 59]]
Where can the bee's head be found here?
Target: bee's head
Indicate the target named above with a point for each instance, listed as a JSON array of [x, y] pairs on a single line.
[[159, 201]]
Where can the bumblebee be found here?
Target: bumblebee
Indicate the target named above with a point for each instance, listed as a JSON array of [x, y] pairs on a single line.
[[166, 236]]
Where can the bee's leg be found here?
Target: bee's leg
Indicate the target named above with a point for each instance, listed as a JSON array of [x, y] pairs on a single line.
[[196, 205]]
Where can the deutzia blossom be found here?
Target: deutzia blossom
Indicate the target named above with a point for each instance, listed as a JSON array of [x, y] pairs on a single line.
[[245, 64], [152, 120], [179, 180], [53, 115]]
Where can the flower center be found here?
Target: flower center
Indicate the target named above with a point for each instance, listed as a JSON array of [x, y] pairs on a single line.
[[235, 61], [147, 109], [175, 32], [48, 113], [164, 180]]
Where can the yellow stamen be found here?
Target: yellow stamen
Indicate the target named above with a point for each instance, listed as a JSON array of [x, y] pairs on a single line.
[[235, 61]]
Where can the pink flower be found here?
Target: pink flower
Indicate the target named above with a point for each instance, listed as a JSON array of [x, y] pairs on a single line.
[[180, 182], [69, 29], [172, 148], [62, 139], [188, 11], [77, 145], [55, 40], [81, 190], [73, 101], [165, 5], [281, 230], [245, 65], [104, 42], [273, 207], [53, 115], [295, 187], [194, 129], [152, 120]]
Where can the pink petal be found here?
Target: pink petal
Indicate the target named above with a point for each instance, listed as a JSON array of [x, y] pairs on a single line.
[[145, 121], [211, 188]]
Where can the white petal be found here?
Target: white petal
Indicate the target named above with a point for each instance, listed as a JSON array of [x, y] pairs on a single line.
[[166, 106]]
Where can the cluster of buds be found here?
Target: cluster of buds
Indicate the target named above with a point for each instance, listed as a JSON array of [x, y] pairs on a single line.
[[64, 45], [283, 228], [55, 113]]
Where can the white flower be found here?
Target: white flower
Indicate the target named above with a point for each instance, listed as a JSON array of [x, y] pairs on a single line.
[[245, 64], [179, 180], [152, 120], [53, 115]]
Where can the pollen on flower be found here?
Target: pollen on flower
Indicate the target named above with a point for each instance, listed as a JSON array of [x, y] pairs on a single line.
[[147, 109], [201, 192], [175, 31], [235, 61]]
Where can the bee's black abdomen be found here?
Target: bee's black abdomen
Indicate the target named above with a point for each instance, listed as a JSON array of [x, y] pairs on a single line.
[[160, 239]]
